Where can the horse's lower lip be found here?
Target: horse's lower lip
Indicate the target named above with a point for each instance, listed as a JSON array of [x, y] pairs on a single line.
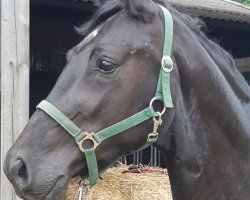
[[53, 194]]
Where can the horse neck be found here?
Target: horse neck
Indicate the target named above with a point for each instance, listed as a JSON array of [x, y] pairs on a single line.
[[209, 136]]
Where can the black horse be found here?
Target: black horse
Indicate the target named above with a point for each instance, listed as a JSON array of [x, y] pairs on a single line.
[[113, 74]]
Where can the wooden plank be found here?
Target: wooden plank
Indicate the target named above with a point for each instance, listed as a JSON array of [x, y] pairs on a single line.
[[14, 59], [243, 64]]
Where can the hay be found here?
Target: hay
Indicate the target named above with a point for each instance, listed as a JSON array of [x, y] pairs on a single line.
[[153, 185]]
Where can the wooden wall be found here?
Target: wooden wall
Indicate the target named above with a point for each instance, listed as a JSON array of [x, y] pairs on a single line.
[[14, 79]]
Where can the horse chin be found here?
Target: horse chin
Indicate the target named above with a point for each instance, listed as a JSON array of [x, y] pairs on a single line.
[[58, 191]]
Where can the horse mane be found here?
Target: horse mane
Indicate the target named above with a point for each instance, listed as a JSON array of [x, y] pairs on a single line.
[[220, 56], [107, 10], [111, 7]]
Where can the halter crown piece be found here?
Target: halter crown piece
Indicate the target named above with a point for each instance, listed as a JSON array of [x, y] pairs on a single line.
[[163, 94]]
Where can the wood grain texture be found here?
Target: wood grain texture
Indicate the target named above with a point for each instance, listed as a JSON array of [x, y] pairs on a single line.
[[14, 79]]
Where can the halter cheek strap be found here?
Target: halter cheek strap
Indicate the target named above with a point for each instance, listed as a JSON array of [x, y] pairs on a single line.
[[163, 94]]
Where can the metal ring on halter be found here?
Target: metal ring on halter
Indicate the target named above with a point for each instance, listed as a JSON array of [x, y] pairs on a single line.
[[89, 136], [166, 58], [151, 105]]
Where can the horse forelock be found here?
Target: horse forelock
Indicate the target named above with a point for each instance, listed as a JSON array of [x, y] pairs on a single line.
[[108, 9], [139, 10]]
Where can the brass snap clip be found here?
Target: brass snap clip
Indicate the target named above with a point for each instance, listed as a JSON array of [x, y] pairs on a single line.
[[157, 122]]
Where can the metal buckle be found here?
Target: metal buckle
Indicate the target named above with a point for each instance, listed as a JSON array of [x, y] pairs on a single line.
[[169, 61], [89, 136], [151, 105]]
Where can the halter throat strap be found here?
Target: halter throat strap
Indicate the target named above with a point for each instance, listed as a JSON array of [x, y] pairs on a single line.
[[163, 93]]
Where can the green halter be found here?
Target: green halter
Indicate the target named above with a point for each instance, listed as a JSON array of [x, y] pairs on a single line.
[[163, 94]]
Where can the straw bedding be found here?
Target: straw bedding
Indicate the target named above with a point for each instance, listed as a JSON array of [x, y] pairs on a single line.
[[152, 184]]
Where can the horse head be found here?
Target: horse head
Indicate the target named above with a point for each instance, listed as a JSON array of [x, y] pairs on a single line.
[[111, 75]]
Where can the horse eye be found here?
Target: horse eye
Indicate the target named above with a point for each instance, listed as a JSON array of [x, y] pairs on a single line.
[[106, 66]]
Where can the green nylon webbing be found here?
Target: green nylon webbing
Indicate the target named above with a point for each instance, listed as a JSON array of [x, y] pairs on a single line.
[[124, 125], [92, 166], [115, 129], [148, 144], [75, 132], [169, 30], [65, 122], [163, 91]]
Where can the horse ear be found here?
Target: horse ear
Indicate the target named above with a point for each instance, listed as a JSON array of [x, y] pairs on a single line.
[[142, 10]]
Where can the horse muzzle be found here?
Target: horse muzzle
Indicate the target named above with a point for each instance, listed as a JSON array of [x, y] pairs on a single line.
[[16, 170]]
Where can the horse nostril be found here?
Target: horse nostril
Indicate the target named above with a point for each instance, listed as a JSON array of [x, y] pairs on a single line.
[[22, 173], [17, 171]]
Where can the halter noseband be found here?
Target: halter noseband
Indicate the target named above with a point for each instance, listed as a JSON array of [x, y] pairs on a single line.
[[163, 94]]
